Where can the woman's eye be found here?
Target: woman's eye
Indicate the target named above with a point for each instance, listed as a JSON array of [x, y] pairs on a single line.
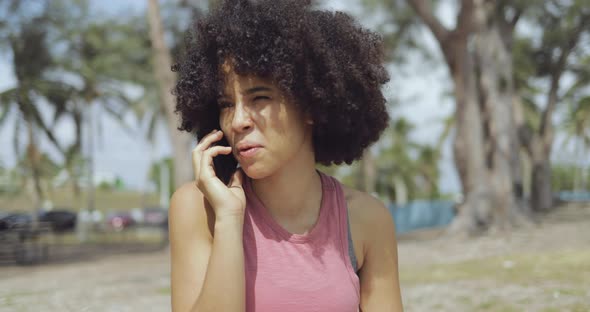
[[261, 97], [224, 104]]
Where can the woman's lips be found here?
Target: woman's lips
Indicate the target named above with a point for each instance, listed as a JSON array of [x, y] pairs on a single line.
[[250, 152]]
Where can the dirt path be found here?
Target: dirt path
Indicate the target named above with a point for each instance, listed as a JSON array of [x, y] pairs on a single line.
[[135, 282]]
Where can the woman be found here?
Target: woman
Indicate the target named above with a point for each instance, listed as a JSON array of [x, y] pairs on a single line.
[[277, 87]]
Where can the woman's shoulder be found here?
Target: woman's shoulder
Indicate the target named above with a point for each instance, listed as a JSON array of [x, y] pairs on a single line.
[[367, 214], [366, 211], [189, 211], [364, 205]]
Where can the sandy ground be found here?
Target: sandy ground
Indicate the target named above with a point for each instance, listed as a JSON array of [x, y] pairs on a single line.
[[561, 242], [117, 283], [140, 281]]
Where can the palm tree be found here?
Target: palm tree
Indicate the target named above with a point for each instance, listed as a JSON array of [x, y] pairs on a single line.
[[31, 61], [107, 57]]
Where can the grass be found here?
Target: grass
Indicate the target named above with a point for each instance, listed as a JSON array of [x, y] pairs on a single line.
[[105, 200], [496, 305], [9, 299], [135, 235], [558, 281], [572, 267], [577, 307]]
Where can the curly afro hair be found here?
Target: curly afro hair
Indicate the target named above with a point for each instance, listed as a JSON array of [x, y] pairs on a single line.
[[328, 64]]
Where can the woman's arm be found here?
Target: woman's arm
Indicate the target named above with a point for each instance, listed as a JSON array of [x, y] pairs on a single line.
[[208, 261], [379, 279], [207, 271]]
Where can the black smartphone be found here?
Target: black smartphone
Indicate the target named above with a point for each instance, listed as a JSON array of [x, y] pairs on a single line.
[[225, 165]]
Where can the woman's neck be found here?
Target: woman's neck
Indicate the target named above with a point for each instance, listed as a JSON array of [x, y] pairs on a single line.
[[293, 193]]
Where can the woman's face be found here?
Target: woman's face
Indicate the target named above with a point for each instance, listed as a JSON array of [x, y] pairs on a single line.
[[264, 129]]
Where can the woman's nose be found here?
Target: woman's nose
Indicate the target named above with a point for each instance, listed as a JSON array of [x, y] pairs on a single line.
[[241, 120]]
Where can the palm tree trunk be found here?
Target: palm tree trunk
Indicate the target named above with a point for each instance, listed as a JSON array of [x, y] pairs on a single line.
[[75, 153], [34, 161], [91, 187], [181, 141]]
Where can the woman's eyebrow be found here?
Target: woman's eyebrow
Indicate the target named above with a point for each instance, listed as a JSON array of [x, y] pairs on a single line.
[[248, 92], [257, 89]]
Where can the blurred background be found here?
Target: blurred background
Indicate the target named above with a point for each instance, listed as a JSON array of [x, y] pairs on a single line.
[[485, 166]]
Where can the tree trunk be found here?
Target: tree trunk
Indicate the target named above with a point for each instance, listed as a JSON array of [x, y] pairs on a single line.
[[486, 146], [496, 92], [476, 211], [524, 135], [541, 191], [543, 140], [469, 142], [34, 161], [76, 152], [91, 194], [181, 141]]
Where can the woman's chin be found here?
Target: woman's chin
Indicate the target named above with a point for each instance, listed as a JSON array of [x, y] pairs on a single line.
[[255, 171]]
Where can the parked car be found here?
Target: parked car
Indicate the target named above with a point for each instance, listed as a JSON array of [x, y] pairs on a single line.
[[155, 216], [120, 220], [14, 220], [20, 241], [60, 221]]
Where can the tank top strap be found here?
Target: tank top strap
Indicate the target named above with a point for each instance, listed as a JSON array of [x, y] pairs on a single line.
[[344, 234]]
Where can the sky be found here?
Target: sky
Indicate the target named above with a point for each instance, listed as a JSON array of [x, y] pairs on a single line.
[[420, 86]]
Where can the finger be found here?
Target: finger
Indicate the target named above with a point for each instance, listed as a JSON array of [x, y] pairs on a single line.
[[237, 179], [209, 139], [207, 158], [216, 150], [202, 146]]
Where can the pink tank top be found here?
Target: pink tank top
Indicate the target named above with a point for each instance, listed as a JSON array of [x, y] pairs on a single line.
[[291, 272]]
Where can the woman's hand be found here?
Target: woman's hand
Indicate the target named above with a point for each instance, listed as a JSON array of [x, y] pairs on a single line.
[[227, 201]]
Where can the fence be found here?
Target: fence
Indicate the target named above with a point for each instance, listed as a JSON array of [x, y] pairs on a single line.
[[422, 214], [25, 246]]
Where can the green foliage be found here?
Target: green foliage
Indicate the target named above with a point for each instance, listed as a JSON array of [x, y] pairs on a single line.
[[156, 171], [577, 121], [555, 47], [414, 164], [48, 167], [66, 56], [400, 29], [563, 176]]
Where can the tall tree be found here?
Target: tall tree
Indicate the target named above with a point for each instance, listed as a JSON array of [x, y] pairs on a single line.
[[105, 56], [181, 141], [485, 146], [26, 38], [558, 53]]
